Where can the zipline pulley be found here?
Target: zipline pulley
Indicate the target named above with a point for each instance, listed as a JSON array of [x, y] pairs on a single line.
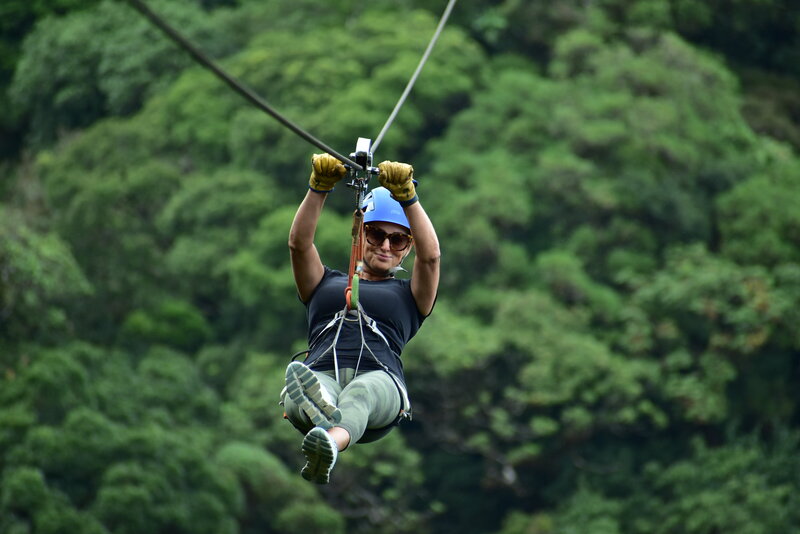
[[359, 178]]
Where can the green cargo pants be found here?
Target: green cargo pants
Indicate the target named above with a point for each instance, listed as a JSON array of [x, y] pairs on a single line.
[[369, 401]]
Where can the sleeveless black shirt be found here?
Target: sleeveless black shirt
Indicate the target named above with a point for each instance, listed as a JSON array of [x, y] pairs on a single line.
[[389, 302]]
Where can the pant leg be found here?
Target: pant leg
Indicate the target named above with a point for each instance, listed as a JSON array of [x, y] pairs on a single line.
[[298, 417], [370, 400]]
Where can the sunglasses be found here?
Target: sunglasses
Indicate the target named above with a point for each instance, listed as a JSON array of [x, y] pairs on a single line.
[[397, 240]]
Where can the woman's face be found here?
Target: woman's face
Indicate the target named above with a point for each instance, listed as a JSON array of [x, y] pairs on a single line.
[[379, 259]]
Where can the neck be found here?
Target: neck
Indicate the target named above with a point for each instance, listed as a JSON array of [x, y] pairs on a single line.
[[368, 273]]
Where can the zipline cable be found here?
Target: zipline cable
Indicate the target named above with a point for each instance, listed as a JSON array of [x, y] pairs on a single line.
[[235, 84], [414, 77]]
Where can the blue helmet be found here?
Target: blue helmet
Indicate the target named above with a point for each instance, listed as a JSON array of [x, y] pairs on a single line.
[[380, 206]]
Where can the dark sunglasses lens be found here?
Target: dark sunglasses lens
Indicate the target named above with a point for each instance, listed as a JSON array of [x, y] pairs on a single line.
[[398, 241], [375, 236]]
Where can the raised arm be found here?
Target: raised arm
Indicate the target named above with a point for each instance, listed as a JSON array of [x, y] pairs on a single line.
[[306, 263], [425, 278], [398, 178]]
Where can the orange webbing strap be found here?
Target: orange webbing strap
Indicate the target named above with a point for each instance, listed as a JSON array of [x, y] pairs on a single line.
[[356, 252]]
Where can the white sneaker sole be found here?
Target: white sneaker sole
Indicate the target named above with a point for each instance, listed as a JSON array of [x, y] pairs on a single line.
[[320, 455], [306, 392]]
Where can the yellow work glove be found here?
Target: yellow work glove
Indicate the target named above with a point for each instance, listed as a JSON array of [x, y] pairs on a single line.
[[399, 179], [325, 172]]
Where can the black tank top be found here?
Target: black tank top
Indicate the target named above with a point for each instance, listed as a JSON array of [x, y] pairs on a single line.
[[389, 302]]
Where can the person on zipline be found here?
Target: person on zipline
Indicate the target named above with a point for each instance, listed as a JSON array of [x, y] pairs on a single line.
[[350, 387]]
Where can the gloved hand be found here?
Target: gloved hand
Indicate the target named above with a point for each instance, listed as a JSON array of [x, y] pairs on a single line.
[[325, 172], [399, 179]]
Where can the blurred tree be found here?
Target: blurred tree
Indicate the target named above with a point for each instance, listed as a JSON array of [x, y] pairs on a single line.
[[78, 68], [377, 479], [620, 288], [286, 503], [760, 218], [328, 83], [547, 383], [107, 214], [756, 37], [38, 277], [254, 388], [17, 17], [89, 465], [612, 142], [174, 323], [746, 486], [709, 316], [772, 105], [261, 281], [209, 221], [743, 486]]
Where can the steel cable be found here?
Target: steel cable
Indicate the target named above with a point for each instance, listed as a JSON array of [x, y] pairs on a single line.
[[253, 98], [414, 76], [235, 84]]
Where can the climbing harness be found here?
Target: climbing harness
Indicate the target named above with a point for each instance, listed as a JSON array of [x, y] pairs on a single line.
[[359, 316], [364, 321]]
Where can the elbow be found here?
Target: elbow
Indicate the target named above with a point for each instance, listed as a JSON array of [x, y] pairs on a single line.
[[296, 244], [434, 260], [430, 257]]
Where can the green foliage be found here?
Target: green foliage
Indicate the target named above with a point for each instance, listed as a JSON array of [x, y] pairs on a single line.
[[585, 511], [173, 323], [378, 479], [750, 32], [614, 345], [568, 384], [451, 342], [110, 226], [255, 390], [289, 505], [612, 148], [739, 479], [716, 306], [327, 82], [742, 487], [760, 218], [83, 461], [17, 17], [51, 385], [708, 315], [567, 281], [76, 69], [38, 277], [26, 501]]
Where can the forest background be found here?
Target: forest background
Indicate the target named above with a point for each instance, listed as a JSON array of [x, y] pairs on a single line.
[[616, 187]]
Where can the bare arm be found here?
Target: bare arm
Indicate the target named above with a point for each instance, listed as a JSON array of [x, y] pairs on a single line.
[[307, 267], [306, 263], [425, 278]]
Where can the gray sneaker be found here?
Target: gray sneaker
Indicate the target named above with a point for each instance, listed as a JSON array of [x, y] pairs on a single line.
[[305, 390], [320, 451]]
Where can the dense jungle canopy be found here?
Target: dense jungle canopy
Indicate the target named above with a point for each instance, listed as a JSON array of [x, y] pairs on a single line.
[[616, 186]]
